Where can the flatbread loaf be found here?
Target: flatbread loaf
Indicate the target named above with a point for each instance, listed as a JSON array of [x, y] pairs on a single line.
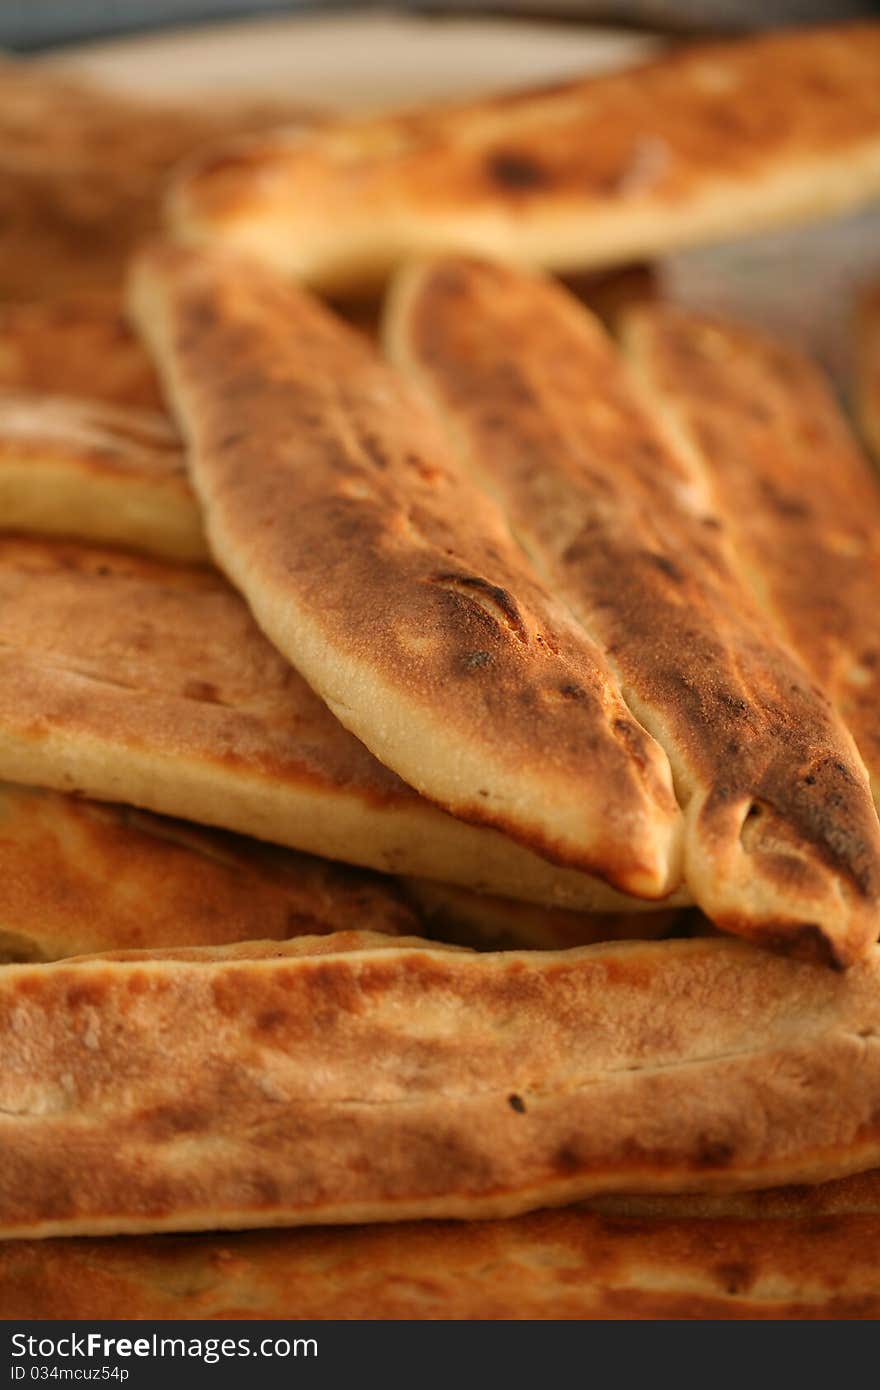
[[83, 876], [788, 481], [391, 582], [80, 876], [139, 681], [362, 1077], [867, 400], [804, 1253], [704, 143], [82, 171], [76, 345], [72, 468], [81, 468], [782, 842]]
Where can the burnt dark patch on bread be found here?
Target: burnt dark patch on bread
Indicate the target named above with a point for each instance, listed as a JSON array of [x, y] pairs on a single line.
[[493, 599], [516, 172]]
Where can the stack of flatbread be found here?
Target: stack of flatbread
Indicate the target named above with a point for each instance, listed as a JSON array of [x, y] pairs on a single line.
[[441, 753]]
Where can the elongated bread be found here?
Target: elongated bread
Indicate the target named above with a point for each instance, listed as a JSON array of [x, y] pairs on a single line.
[[867, 400], [703, 143], [391, 582], [790, 485], [805, 1254], [81, 876], [362, 1078], [139, 681], [71, 467], [80, 468], [82, 171], [782, 842]]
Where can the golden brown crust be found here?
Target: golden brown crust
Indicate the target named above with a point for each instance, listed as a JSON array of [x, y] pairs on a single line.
[[782, 843], [80, 876], [398, 1078], [788, 481], [140, 681], [391, 582], [82, 171], [569, 1264], [82, 468], [78, 345], [702, 143], [867, 395]]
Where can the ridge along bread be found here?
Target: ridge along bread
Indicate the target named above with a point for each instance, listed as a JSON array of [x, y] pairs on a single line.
[[79, 876], [797, 495], [477, 1084], [705, 142], [332, 501], [136, 680], [867, 348], [805, 1253], [782, 843], [83, 170]]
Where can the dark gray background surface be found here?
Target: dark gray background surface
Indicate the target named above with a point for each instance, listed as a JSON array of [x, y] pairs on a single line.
[[31, 24]]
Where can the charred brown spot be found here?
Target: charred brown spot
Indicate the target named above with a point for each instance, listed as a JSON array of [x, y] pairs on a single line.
[[735, 1277], [666, 566], [784, 503], [199, 316], [428, 472], [632, 737], [517, 1103], [270, 1020], [518, 172], [713, 1153], [475, 660], [802, 941], [81, 996], [335, 988], [571, 691], [734, 704], [567, 1159], [492, 599], [228, 162], [164, 1121], [375, 450], [267, 1189], [203, 691]]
